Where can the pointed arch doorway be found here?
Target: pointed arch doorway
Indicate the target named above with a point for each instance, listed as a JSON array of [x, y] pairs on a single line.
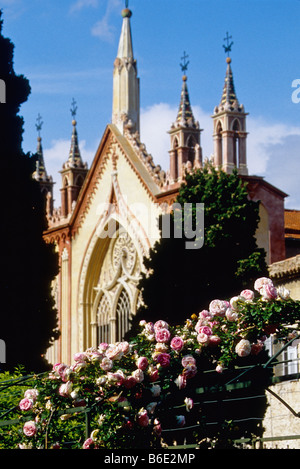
[[111, 294]]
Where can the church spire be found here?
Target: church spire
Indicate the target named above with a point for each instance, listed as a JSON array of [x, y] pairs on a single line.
[[185, 114], [126, 89], [230, 125], [229, 95], [185, 153], [74, 159], [40, 174], [73, 172]]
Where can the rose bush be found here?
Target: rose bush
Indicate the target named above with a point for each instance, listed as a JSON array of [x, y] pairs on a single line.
[[125, 387]]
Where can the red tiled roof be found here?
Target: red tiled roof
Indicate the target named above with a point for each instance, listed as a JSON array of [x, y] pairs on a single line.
[[292, 223]]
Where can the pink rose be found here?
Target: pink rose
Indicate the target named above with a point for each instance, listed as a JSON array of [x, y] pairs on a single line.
[[102, 347], [59, 368], [31, 394], [205, 330], [138, 375], [142, 363], [188, 360], [149, 327], [202, 338], [243, 348], [260, 282], [180, 381], [117, 377], [106, 364], [153, 374], [162, 335], [143, 419], [177, 343], [130, 382], [124, 347], [161, 325], [204, 314], [65, 389], [189, 371], [247, 294], [89, 444], [268, 292], [30, 428], [231, 315], [80, 357], [26, 404], [219, 368], [114, 352], [214, 340], [163, 359], [218, 307]]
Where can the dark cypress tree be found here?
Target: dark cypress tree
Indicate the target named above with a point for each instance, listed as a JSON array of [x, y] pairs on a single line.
[[28, 265], [180, 282]]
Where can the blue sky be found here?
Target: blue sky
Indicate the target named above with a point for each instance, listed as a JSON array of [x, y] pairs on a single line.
[[67, 48]]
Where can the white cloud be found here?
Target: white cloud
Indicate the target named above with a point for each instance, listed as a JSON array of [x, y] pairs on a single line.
[[103, 28], [156, 120], [80, 4], [273, 149]]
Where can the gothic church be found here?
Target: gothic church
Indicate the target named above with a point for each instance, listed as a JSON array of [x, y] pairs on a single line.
[[107, 220]]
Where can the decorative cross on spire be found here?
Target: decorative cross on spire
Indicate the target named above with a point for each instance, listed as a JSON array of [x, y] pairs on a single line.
[[39, 124], [184, 66], [227, 47], [73, 108]]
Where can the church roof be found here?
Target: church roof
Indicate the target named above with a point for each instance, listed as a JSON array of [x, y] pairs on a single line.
[[292, 223]]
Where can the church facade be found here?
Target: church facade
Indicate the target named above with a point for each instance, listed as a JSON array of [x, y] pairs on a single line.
[[108, 216]]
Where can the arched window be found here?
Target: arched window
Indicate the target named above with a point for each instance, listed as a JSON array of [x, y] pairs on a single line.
[[191, 143], [175, 149], [219, 143], [103, 319], [123, 312], [79, 180], [236, 129]]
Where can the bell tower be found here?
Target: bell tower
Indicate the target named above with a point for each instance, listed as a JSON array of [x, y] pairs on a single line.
[[185, 152], [73, 172], [229, 123]]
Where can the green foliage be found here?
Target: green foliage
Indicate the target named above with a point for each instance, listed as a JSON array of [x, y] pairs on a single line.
[[28, 265], [178, 280], [160, 386]]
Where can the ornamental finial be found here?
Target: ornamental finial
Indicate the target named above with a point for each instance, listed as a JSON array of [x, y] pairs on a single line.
[[39, 124], [73, 108], [185, 63], [227, 47]]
